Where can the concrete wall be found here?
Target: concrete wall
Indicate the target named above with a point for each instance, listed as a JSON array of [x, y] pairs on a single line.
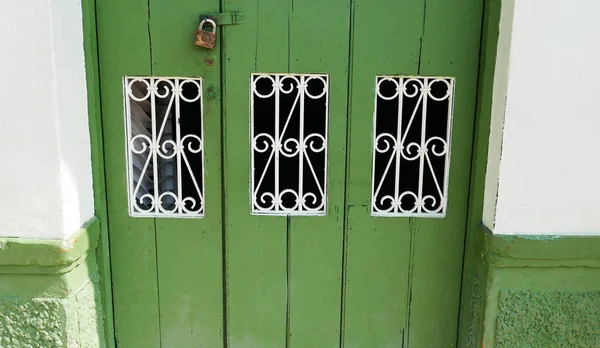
[[546, 165], [45, 170]]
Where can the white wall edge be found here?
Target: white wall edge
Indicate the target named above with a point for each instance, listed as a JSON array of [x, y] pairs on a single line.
[[497, 114]]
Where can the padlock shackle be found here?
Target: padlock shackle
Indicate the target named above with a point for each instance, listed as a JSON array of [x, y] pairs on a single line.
[[211, 22]]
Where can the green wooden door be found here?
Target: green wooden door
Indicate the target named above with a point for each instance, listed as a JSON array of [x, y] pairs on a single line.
[[233, 279]]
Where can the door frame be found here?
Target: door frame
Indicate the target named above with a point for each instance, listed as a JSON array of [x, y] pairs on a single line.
[[474, 271], [474, 274], [92, 77]]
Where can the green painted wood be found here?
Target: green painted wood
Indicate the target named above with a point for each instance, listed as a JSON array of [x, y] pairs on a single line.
[[310, 260], [386, 40], [90, 46], [189, 251], [256, 260], [315, 243], [124, 48], [450, 48], [475, 269], [299, 281]]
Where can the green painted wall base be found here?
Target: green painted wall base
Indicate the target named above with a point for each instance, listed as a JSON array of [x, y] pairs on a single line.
[[49, 292], [541, 292]]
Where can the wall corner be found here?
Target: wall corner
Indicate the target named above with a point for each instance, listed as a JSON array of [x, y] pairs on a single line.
[[51, 295]]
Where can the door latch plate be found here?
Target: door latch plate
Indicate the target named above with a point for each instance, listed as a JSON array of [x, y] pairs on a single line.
[[225, 18]]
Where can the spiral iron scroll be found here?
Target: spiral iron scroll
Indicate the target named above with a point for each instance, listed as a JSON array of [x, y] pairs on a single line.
[[155, 147], [279, 145], [408, 146]]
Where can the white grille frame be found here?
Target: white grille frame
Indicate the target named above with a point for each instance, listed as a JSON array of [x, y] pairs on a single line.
[[277, 209], [179, 147], [398, 139]]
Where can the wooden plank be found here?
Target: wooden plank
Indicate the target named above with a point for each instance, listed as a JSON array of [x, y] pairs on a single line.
[[124, 48], [319, 43], [450, 48], [386, 40], [190, 277], [90, 47], [255, 245]]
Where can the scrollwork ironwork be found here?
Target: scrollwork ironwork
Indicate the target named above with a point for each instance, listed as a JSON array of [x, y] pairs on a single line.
[[160, 154], [289, 144], [411, 146]]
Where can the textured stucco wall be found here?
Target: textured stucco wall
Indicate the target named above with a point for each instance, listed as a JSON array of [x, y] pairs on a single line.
[[556, 319], [34, 323], [89, 316], [75, 321], [45, 171], [542, 292], [50, 292]]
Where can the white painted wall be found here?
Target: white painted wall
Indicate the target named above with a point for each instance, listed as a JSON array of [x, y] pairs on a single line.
[[45, 169], [550, 161]]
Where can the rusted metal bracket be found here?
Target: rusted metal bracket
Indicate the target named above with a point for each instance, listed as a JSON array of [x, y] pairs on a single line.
[[225, 18]]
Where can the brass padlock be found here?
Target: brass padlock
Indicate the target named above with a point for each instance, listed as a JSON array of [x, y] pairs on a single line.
[[206, 38]]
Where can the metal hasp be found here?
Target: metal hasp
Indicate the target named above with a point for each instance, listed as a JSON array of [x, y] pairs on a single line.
[[225, 18]]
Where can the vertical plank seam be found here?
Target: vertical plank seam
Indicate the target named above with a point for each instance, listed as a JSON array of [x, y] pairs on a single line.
[[150, 38], [223, 184], [412, 222], [403, 337], [411, 253], [154, 219], [157, 282], [472, 176], [288, 258], [256, 42], [289, 37], [345, 208], [422, 36]]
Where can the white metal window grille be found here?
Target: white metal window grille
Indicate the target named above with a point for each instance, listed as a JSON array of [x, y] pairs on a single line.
[[411, 145], [289, 122], [165, 157]]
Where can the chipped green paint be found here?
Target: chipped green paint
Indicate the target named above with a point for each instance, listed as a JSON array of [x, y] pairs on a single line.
[[50, 292]]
